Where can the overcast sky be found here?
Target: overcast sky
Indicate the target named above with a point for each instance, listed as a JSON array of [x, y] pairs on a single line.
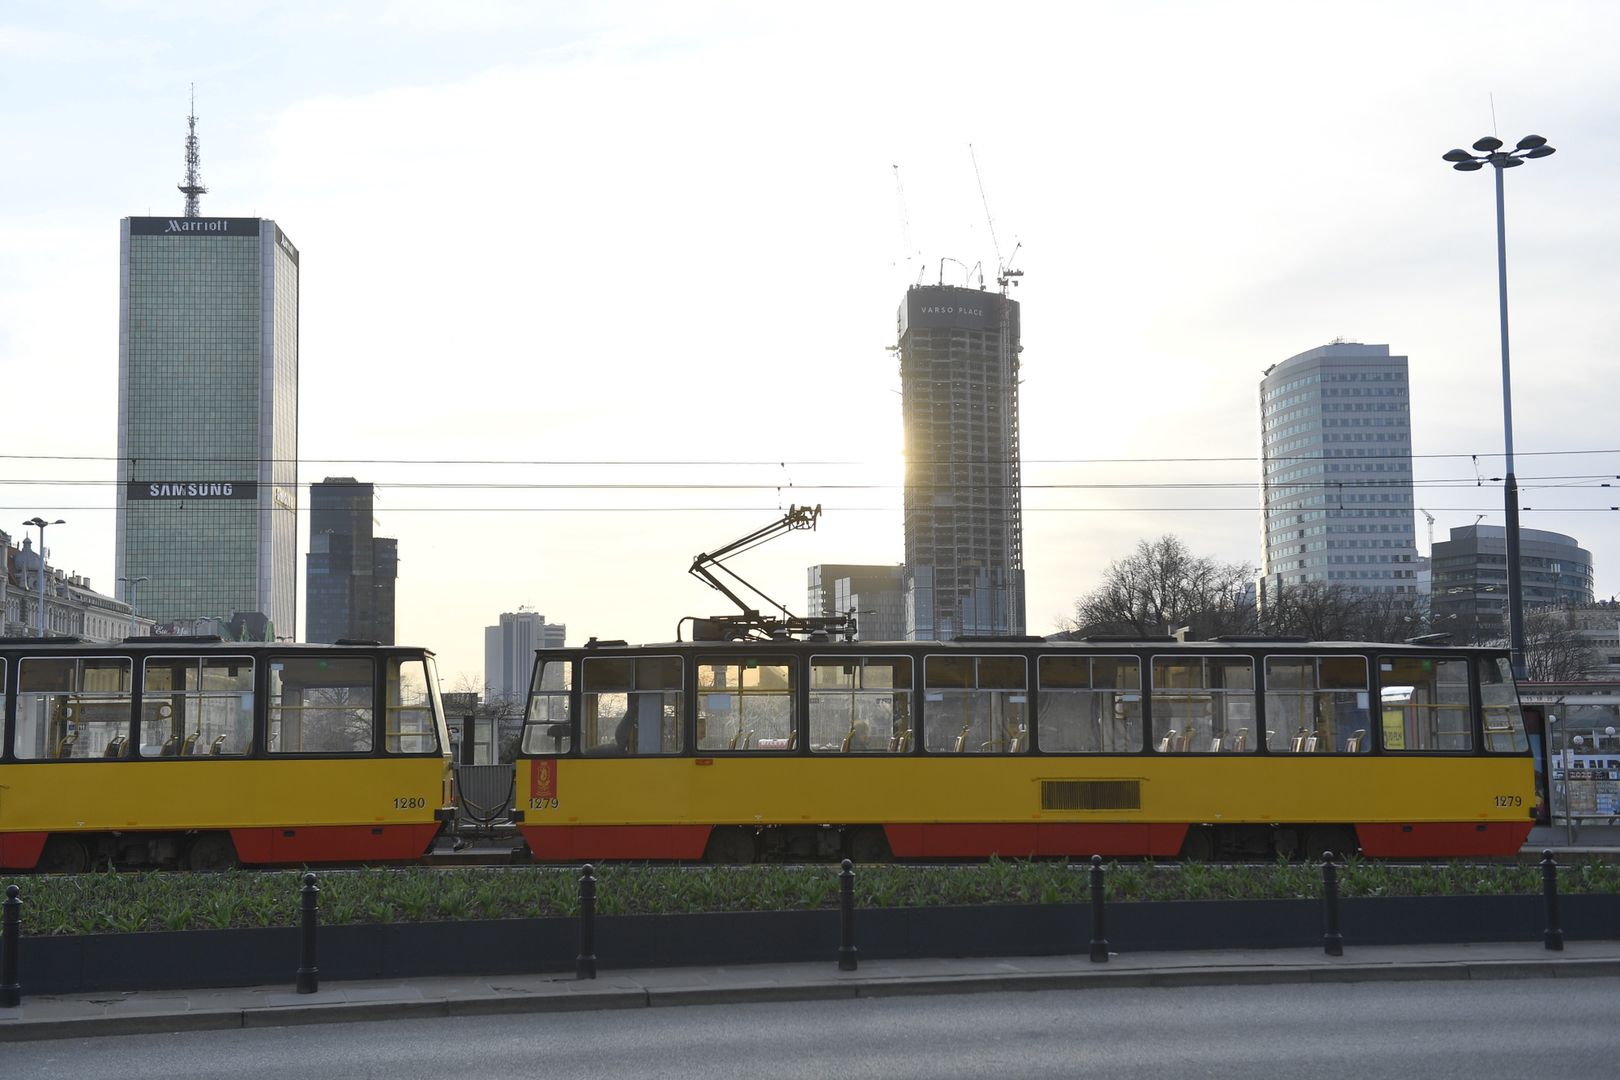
[[671, 234]]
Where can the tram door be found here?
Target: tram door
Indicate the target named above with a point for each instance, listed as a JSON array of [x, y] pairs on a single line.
[[1535, 728]]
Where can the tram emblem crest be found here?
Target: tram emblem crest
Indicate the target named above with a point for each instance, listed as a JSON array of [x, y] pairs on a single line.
[[543, 779]]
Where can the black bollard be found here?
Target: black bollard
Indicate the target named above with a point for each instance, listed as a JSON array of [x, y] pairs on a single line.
[[1332, 940], [309, 976], [1554, 937], [10, 934], [585, 963], [846, 917], [1099, 942]]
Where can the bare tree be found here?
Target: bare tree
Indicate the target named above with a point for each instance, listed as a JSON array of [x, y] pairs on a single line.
[[1333, 611], [1553, 647], [1318, 610], [1163, 586]]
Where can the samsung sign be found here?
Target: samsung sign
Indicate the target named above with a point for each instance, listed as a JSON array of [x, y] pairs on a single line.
[[184, 226], [212, 490]]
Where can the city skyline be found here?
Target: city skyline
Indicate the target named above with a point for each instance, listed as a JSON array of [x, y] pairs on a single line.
[[501, 280]]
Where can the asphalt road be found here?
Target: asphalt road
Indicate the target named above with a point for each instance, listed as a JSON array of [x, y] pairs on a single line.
[[1516, 1028]]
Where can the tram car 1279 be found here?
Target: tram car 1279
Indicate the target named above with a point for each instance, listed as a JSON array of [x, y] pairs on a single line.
[[737, 751]]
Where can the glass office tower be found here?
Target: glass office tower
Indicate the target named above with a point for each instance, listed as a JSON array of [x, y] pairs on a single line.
[[1336, 455], [208, 418]]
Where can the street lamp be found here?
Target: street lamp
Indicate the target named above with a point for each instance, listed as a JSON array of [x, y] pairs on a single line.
[[132, 582], [42, 523], [1490, 153]]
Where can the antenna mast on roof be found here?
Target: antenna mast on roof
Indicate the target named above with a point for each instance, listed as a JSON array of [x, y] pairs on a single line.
[[193, 185]]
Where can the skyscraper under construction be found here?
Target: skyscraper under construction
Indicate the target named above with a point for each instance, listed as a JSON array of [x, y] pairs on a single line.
[[963, 506]]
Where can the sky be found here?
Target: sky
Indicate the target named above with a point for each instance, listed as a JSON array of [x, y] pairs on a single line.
[[589, 289]]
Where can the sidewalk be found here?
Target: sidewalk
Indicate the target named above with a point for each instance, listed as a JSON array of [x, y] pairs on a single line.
[[1596, 836], [81, 1015]]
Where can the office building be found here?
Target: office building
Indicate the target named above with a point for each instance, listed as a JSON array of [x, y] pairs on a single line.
[[349, 573], [1336, 461], [208, 414], [1469, 585], [874, 595], [509, 652], [964, 560]]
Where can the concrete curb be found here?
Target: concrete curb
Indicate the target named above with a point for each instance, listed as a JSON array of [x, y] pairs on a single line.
[[573, 997]]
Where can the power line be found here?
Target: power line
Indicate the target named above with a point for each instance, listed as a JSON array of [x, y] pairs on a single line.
[[1594, 479], [779, 462]]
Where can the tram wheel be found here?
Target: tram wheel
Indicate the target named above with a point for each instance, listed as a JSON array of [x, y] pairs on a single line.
[[1339, 839], [1199, 846], [869, 844], [64, 855], [212, 853], [729, 847]]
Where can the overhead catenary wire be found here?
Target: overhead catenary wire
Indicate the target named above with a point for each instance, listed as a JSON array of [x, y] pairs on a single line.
[[777, 462]]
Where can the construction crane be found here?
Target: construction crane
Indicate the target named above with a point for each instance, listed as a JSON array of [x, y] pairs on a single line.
[[751, 623], [1005, 274], [1430, 516]]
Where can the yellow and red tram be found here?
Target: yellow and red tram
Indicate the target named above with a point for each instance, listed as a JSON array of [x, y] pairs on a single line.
[[736, 751], [205, 754]]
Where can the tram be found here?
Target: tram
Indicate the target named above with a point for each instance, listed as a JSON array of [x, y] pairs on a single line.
[[740, 750], [197, 753]]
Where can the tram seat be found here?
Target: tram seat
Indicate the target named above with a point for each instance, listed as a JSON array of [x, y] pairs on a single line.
[[189, 747], [961, 740], [849, 738], [115, 748], [171, 746], [1240, 741], [218, 746], [1296, 745], [1310, 744], [1187, 741], [901, 742], [1215, 744], [64, 748], [1166, 742], [1352, 745], [793, 739]]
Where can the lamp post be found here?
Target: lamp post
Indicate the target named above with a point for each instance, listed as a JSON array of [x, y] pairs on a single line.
[[132, 582], [42, 523], [1490, 153]]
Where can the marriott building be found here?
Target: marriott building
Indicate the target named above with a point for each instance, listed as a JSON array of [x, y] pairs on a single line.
[[208, 418]]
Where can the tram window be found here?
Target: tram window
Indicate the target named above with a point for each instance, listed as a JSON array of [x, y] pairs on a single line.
[[631, 705], [745, 704], [410, 724], [547, 726], [1423, 703], [197, 706], [1090, 704], [1317, 704], [975, 705], [1203, 704], [321, 705], [860, 704], [3, 729], [73, 709], [1504, 723]]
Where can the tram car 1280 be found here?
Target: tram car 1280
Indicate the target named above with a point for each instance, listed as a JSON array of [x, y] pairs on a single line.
[[205, 754], [734, 751]]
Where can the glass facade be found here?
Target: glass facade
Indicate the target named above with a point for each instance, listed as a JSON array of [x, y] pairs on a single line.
[[208, 417], [1336, 444]]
